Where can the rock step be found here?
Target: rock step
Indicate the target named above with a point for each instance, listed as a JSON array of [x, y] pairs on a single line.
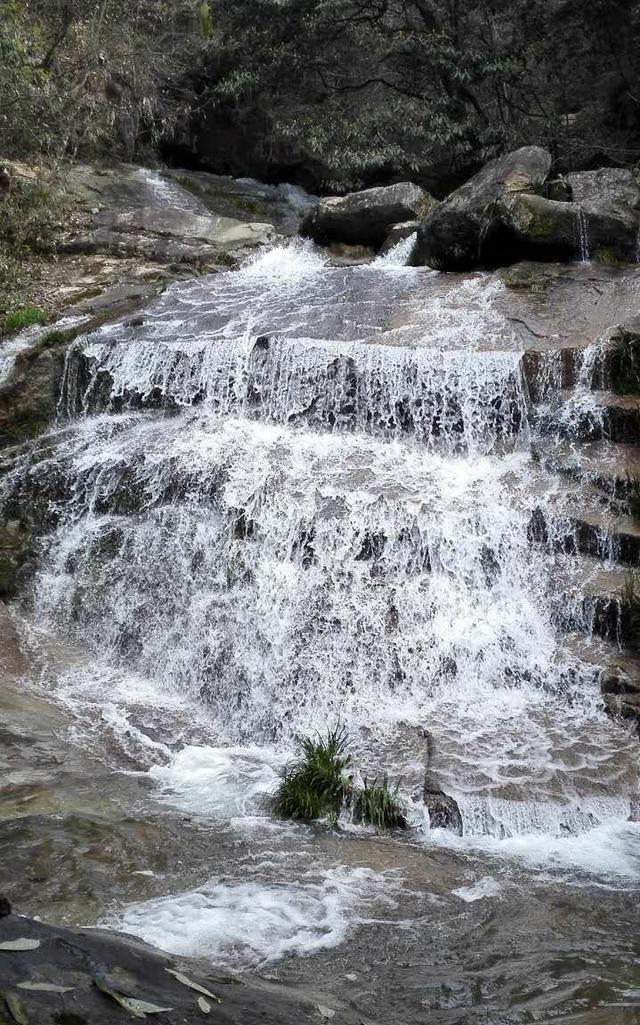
[[611, 467], [619, 675], [594, 416], [598, 602], [609, 362]]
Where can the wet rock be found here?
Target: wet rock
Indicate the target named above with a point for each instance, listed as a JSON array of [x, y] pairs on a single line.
[[620, 689], [398, 233], [5, 906], [444, 812], [610, 201], [364, 218], [15, 540], [467, 230], [539, 228], [98, 970]]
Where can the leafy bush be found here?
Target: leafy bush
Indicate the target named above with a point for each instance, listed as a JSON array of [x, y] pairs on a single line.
[[318, 785]]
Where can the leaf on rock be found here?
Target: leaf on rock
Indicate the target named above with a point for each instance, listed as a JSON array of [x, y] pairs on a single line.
[[143, 1006], [16, 1008], [21, 944], [204, 1005], [192, 985], [44, 987]]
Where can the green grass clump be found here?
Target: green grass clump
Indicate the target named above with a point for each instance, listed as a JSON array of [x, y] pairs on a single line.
[[378, 805], [318, 785], [17, 320]]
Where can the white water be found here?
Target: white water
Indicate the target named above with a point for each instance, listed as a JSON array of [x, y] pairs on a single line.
[[331, 524]]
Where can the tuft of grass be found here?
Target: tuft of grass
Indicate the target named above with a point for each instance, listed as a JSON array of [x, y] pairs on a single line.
[[17, 320], [378, 805], [316, 784], [319, 784]]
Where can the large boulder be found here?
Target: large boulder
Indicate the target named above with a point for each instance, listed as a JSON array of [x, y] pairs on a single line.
[[364, 218], [610, 202], [467, 230], [536, 228]]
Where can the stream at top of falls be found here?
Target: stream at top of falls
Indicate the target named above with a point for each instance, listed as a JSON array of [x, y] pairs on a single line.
[[299, 495]]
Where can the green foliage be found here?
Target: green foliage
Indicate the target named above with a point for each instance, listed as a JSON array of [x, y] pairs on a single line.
[[204, 17], [318, 785], [378, 805], [19, 319], [315, 785], [32, 217]]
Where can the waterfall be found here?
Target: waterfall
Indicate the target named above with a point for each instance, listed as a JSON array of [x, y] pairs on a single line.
[[582, 236], [296, 495]]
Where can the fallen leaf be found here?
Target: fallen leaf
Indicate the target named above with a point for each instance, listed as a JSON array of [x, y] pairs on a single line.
[[192, 985], [134, 1005], [204, 1005], [16, 1008], [118, 997], [44, 987], [325, 1012], [21, 944]]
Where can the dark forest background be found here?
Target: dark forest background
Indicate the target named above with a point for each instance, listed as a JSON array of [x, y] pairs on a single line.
[[332, 94]]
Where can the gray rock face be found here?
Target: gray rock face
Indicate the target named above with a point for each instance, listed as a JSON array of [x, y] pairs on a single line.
[[467, 229], [139, 213], [364, 218], [610, 201]]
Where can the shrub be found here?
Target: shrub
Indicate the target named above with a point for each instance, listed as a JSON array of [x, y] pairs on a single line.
[[318, 785], [19, 319]]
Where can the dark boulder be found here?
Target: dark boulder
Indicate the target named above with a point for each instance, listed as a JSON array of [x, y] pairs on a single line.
[[610, 202], [364, 218], [537, 228], [467, 230], [444, 812]]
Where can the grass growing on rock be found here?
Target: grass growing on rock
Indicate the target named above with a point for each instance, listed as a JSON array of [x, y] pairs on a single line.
[[316, 784], [319, 784], [17, 320], [378, 805]]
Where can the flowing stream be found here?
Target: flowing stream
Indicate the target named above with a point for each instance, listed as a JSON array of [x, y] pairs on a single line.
[[300, 495]]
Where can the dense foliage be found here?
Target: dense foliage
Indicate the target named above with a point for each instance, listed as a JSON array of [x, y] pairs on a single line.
[[348, 90]]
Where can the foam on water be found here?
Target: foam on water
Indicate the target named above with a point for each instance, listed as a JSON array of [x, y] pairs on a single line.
[[243, 925]]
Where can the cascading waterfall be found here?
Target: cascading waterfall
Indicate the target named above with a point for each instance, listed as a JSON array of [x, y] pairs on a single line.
[[324, 514]]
